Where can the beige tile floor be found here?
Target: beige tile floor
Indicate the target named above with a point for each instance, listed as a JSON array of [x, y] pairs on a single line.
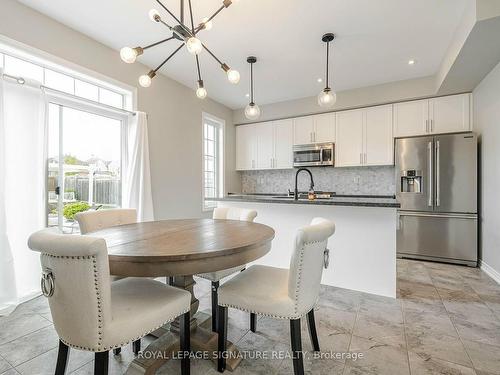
[[446, 320]]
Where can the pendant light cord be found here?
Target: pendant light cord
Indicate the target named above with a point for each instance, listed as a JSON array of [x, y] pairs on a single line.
[[251, 82], [327, 64]]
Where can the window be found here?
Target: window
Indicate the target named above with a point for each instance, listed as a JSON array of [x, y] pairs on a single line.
[[63, 79], [213, 160]]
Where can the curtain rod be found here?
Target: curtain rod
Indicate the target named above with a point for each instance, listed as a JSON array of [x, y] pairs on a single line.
[[22, 81]]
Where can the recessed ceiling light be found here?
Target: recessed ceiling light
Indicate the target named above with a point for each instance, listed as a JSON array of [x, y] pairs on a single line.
[[320, 80], [411, 62]]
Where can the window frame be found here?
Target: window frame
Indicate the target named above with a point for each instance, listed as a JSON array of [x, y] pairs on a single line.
[[220, 155], [74, 103], [14, 49]]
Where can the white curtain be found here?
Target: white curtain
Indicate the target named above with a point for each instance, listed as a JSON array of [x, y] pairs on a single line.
[[137, 186], [22, 189]]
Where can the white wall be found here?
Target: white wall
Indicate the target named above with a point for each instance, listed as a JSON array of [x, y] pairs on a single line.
[[487, 124], [174, 111], [362, 97]]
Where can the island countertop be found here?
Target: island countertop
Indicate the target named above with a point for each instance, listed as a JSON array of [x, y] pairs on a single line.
[[336, 200]]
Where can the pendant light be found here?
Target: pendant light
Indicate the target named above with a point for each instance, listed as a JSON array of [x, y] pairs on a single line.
[[327, 97], [252, 110]]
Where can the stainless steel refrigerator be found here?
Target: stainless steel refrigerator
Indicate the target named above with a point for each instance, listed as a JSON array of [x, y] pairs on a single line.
[[436, 184]]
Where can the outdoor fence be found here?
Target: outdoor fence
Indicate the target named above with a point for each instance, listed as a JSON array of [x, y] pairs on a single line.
[[106, 190]]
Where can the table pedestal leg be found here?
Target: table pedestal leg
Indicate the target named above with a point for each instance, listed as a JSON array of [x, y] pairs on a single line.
[[167, 343]]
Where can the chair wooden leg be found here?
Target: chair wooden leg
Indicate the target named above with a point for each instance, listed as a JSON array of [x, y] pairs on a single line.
[[62, 359], [253, 322], [101, 363], [222, 338], [185, 343], [313, 334], [296, 341], [215, 304], [136, 346], [117, 351]]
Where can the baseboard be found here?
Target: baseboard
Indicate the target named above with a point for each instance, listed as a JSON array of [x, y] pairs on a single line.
[[490, 271]]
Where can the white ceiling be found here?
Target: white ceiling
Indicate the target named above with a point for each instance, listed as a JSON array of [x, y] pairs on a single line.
[[375, 40]]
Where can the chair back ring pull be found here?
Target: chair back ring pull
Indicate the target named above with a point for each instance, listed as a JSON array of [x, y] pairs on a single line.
[[326, 258], [47, 283]]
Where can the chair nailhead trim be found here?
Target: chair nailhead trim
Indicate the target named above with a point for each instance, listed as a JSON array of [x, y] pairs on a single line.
[[125, 342]]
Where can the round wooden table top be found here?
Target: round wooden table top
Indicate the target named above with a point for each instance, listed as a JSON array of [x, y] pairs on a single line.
[[183, 247]]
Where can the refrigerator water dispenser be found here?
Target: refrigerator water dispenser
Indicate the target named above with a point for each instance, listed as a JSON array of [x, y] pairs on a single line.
[[411, 181]]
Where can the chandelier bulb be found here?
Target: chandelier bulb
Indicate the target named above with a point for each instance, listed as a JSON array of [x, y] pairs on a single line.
[[194, 46], [129, 55], [201, 92], [154, 15], [233, 76], [146, 79], [207, 25]]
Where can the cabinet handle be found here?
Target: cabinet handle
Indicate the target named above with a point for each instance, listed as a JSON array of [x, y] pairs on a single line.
[[432, 125], [314, 136], [360, 158], [365, 158], [427, 126]]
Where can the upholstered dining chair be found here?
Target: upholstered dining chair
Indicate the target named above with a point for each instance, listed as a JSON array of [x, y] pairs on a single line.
[[281, 293], [91, 313], [228, 213], [93, 220]]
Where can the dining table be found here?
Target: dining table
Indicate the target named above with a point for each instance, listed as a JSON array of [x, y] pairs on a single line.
[[178, 250]]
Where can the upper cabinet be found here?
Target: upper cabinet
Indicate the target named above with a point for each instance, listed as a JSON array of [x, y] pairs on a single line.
[[447, 114], [314, 129], [266, 145], [364, 137]]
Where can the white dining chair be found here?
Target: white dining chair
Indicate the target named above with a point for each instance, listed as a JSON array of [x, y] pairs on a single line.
[[89, 312], [281, 293], [227, 213], [93, 220]]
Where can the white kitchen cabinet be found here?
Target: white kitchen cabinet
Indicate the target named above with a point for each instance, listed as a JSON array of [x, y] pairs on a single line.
[[364, 137], [314, 129], [378, 139], [265, 145], [446, 114], [246, 147], [449, 114], [283, 144], [324, 128], [303, 129], [349, 138], [411, 118]]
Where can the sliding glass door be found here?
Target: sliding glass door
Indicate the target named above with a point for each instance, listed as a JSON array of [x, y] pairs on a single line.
[[85, 162]]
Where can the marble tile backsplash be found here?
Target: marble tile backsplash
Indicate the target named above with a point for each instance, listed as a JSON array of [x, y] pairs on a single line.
[[364, 180]]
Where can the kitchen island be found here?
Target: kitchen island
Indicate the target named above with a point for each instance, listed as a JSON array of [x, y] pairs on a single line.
[[362, 250]]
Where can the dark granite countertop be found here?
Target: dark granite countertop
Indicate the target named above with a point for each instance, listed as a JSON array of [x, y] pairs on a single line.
[[336, 200]]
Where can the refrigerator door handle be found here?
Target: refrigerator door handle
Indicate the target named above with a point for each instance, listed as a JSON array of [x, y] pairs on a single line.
[[429, 148], [438, 177]]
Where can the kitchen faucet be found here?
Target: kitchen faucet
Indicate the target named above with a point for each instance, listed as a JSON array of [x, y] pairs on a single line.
[[296, 194]]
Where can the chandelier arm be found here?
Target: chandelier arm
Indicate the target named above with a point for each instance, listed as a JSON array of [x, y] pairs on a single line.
[[169, 12], [202, 26], [157, 43], [168, 58], [191, 16], [198, 67], [212, 54]]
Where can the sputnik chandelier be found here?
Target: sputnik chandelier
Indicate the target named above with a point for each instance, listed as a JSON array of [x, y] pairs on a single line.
[[188, 37]]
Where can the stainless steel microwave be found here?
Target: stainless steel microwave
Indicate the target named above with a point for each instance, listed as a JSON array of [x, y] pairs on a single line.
[[314, 155]]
